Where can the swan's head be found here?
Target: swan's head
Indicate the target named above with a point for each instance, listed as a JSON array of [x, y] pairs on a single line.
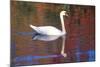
[[64, 13]]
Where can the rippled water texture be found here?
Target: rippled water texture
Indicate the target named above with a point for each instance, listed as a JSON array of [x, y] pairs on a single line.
[[78, 45]]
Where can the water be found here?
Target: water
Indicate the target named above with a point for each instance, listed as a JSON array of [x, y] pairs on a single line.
[[27, 48], [46, 51]]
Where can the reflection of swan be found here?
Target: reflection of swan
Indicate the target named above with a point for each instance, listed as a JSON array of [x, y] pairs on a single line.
[[52, 38], [50, 30], [63, 46], [45, 37]]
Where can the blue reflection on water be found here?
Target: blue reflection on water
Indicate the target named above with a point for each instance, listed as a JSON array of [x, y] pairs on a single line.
[[90, 54], [30, 57]]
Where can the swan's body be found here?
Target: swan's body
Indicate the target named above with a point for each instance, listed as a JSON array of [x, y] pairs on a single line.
[[50, 30], [47, 30]]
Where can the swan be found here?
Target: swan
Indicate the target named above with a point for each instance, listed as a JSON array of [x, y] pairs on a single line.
[[51, 30]]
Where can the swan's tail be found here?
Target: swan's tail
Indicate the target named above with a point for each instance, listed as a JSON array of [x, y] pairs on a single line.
[[33, 27]]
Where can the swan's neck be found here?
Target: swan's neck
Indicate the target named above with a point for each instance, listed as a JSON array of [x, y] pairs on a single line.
[[62, 24]]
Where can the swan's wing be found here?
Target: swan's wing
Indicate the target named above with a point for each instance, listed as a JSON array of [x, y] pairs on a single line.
[[49, 30]]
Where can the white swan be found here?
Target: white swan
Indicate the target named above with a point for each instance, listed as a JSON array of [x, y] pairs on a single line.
[[50, 30]]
